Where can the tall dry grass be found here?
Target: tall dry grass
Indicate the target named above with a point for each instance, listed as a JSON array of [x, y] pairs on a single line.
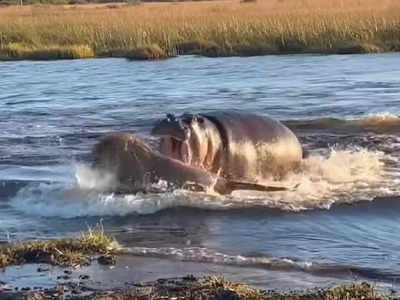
[[220, 28]]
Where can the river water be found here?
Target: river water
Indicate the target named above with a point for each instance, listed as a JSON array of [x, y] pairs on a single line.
[[342, 222]]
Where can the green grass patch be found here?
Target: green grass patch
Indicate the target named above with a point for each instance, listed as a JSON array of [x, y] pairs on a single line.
[[18, 51], [148, 52], [64, 252]]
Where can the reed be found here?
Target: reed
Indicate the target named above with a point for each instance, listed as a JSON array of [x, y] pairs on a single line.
[[224, 28], [24, 51], [64, 252]]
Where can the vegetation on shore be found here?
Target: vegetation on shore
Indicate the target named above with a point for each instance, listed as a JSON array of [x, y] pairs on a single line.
[[64, 252], [220, 288], [223, 28], [204, 288], [80, 251]]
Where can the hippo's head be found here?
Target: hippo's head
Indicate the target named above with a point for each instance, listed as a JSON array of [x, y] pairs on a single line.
[[176, 136], [171, 127]]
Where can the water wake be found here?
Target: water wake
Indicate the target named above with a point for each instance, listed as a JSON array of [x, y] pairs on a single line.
[[384, 122], [379, 123], [336, 177]]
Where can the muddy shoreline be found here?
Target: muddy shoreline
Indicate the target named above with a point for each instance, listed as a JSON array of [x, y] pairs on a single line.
[[94, 266], [135, 277]]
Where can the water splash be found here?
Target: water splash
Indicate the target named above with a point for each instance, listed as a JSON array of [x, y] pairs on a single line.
[[337, 176], [88, 178], [381, 122]]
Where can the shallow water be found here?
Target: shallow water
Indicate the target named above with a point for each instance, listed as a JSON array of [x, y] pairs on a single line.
[[341, 222]]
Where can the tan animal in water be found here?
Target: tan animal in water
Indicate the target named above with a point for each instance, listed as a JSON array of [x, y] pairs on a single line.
[[136, 166], [223, 150]]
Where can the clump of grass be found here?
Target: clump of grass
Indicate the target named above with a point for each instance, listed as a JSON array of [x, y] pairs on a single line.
[[62, 52], [64, 252], [149, 52], [354, 291], [200, 47], [221, 288], [24, 51], [15, 50], [225, 289], [248, 1], [259, 48], [361, 47]]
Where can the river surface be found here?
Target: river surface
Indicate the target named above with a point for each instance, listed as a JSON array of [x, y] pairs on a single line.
[[342, 222]]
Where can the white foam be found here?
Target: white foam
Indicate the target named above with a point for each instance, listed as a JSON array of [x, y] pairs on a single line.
[[336, 176], [205, 255], [380, 121], [86, 197], [88, 178]]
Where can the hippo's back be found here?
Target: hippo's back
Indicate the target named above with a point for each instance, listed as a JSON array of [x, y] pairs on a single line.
[[255, 146]]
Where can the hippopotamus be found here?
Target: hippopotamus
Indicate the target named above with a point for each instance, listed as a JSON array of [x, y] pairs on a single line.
[[219, 150], [235, 145], [136, 166]]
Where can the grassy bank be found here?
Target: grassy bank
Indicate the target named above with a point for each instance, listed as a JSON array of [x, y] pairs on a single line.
[[224, 28], [64, 252]]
